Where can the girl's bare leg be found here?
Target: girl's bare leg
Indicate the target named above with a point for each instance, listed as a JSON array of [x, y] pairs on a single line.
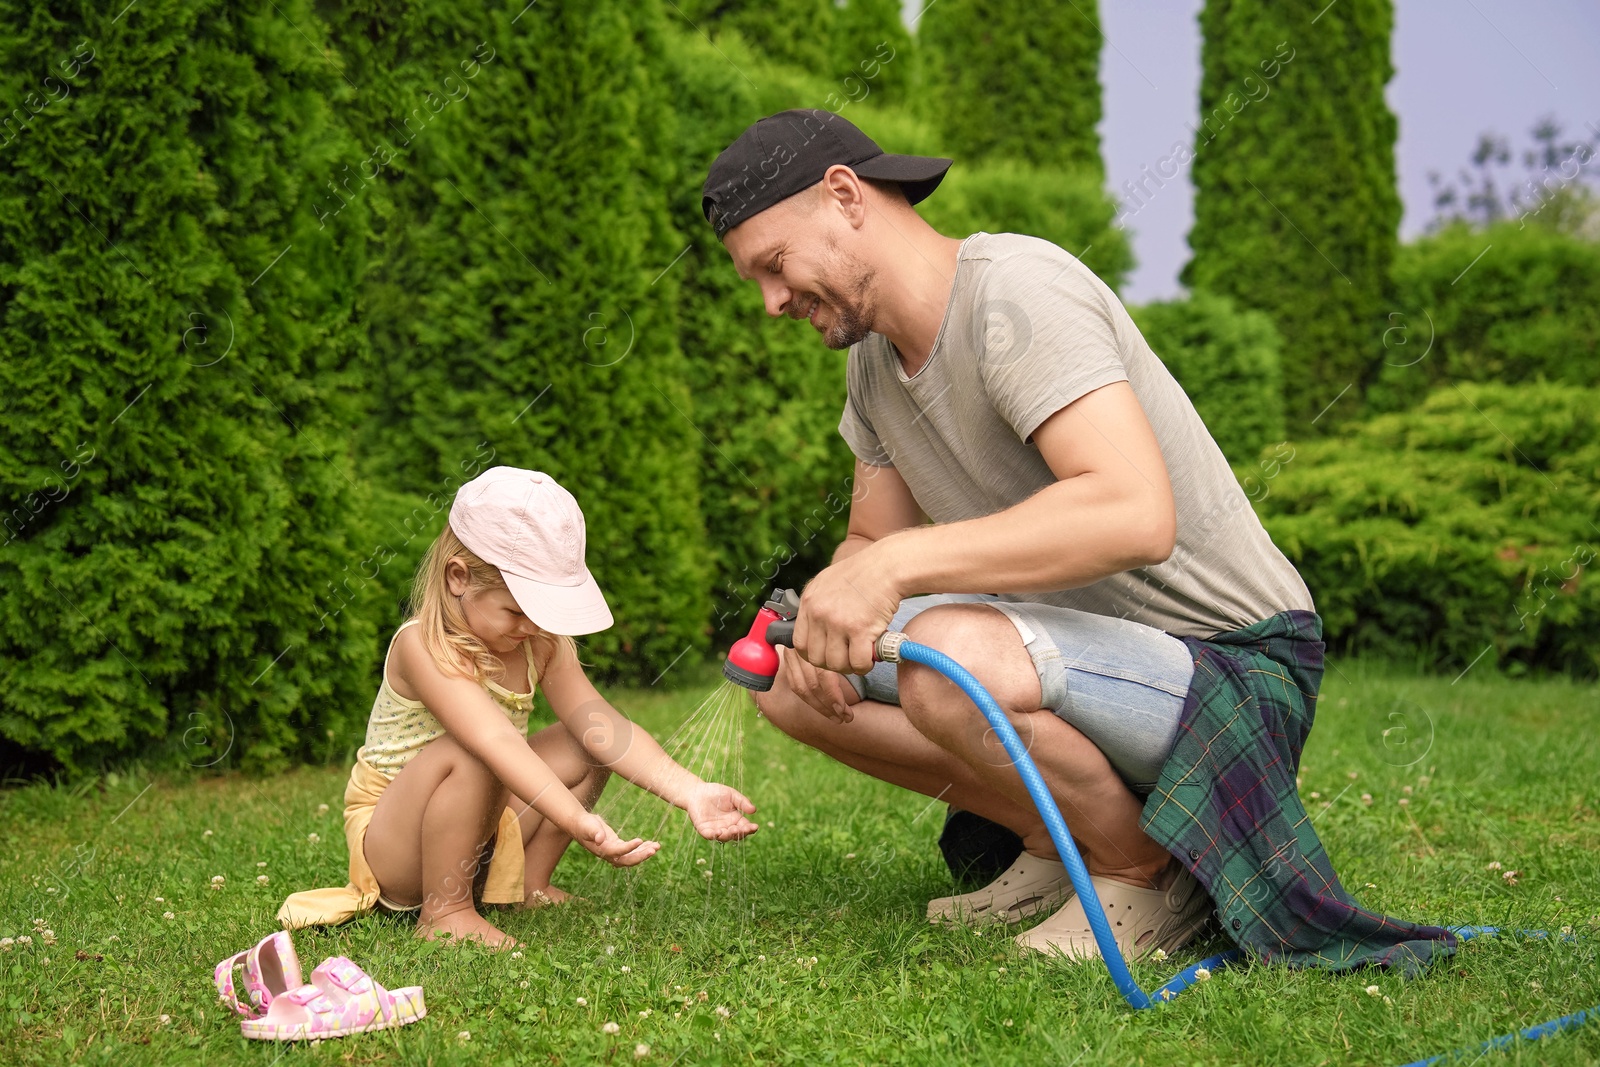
[[543, 842], [429, 832]]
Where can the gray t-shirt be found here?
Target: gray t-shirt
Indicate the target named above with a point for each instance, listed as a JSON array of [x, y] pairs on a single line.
[[1028, 330]]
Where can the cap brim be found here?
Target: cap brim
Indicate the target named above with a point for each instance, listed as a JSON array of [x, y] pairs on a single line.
[[561, 609], [918, 175]]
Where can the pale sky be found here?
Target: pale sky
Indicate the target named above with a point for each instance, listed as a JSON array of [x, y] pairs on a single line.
[[1461, 67]]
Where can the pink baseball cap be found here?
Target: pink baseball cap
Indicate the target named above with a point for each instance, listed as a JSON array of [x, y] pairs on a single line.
[[528, 526]]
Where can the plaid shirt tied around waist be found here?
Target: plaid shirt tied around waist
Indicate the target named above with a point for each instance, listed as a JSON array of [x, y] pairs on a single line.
[[1227, 806]]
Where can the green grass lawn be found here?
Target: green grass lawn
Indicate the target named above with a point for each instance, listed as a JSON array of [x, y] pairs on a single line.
[[807, 943]]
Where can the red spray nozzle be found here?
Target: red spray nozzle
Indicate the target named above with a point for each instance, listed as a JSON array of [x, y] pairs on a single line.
[[753, 660]]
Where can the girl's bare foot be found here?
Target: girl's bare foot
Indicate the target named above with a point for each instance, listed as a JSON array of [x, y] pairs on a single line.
[[544, 896], [465, 925]]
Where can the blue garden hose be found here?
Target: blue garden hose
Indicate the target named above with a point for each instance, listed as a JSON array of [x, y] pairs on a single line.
[[894, 647]]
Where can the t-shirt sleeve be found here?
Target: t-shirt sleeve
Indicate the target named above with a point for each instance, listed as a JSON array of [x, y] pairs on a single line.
[[1048, 337], [854, 425]]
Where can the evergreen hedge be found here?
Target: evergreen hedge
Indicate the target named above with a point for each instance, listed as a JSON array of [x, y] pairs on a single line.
[[1508, 303], [1228, 361], [1296, 211]]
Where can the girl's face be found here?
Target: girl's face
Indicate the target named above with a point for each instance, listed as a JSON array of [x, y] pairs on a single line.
[[492, 612]]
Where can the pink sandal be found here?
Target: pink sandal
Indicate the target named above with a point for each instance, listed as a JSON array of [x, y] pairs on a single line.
[[271, 969], [341, 1000]]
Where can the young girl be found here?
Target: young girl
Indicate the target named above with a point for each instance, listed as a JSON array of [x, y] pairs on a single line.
[[448, 772]]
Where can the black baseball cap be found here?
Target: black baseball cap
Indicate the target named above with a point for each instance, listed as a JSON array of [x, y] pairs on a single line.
[[782, 154]]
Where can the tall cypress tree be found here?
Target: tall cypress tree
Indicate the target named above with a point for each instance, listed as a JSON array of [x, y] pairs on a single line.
[[179, 359], [1296, 211], [1006, 78]]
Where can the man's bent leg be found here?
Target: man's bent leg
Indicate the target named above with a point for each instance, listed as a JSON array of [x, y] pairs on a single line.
[[880, 742], [1100, 809]]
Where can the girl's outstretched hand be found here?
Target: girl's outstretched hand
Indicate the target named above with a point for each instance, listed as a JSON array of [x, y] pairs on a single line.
[[718, 812], [596, 836]]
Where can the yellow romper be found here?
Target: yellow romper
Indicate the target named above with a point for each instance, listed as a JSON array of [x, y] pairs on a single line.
[[397, 730]]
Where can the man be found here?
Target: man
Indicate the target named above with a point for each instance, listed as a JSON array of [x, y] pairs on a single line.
[[1084, 526]]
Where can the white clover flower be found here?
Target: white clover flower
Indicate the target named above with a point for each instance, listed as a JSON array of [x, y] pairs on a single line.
[[706, 872], [702, 996], [206, 834], [313, 838], [49, 937], [641, 1050], [700, 862], [45, 961], [1405, 802], [849, 855], [722, 1010], [1370, 885], [217, 879], [646, 1013], [261, 879], [1406, 789], [322, 809], [6, 943], [1158, 955], [262, 863], [1008, 1022], [770, 825], [626, 969], [611, 950], [1374, 991], [168, 915], [1494, 865], [464, 1036], [163, 1019], [1202, 975], [52, 889], [763, 959], [24, 940], [1366, 798], [582, 1003], [1352, 775], [1510, 877], [611, 1028], [160, 900], [1160, 950], [517, 955]]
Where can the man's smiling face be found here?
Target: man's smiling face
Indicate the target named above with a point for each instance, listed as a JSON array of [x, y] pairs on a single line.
[[793, 253]]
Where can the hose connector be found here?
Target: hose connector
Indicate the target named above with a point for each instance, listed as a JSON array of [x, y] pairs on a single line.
[[888, 646]]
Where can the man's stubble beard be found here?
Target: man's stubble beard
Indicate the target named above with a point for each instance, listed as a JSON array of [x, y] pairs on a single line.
[[853, 313]]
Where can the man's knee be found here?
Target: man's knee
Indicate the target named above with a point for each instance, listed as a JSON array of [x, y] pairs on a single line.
[[983, 641]]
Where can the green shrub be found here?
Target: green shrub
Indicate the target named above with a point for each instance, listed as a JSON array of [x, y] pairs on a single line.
[[178, 363], [1508, 303], [1228, 361], [1430, 531]]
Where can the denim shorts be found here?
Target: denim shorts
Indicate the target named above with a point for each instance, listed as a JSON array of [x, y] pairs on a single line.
[[1121, 683]]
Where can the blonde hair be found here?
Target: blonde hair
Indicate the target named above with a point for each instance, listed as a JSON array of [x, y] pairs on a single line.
[[445, 632]]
